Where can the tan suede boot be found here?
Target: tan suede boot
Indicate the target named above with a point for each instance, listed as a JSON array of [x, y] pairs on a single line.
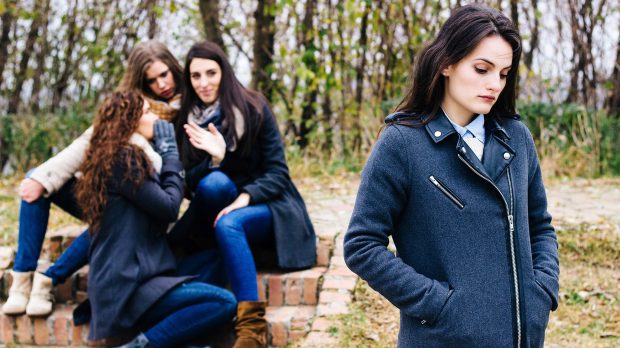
[[41, 298], [19, 293], [251, 326]]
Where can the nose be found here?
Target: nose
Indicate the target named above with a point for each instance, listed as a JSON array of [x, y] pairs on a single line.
[[204, 81], [494, 83], [161, 83]]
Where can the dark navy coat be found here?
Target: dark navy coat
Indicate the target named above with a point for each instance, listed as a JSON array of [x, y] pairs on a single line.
[[131, 264], [263, 174], [477, 257]]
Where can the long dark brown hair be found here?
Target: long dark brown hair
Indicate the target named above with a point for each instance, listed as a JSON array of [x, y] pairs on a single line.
[[461, 33], [140, 59], [117, 119], [231, 94]]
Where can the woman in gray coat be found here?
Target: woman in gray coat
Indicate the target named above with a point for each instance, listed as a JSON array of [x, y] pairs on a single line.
[[455, 180]]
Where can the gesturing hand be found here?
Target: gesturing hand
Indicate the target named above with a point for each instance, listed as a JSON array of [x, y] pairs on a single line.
[[242, 201], [30, 190], [211, 141], [165, 140]]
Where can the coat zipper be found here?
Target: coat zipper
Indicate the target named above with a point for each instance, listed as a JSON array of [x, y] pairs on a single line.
[[447, 192], [511, 228]]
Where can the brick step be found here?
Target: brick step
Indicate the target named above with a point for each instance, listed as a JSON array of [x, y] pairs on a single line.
[[277, 288], [287, 325]]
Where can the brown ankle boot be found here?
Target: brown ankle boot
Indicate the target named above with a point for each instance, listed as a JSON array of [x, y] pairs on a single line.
[[251, 326]]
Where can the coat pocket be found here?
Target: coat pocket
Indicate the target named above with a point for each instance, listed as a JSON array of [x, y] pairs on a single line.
[[446, 191]]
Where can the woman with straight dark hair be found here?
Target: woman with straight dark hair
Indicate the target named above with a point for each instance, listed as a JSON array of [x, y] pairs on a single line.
[[455, 180], [241, 191]]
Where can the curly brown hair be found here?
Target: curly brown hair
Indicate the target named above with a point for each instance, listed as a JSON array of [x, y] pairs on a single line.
[[110, 150]]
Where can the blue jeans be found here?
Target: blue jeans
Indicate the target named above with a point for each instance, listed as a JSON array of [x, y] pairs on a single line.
[[33, 220], [186, 312], [234, 232]]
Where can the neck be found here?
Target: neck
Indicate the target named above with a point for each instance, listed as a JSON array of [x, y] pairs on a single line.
[[462, 119]]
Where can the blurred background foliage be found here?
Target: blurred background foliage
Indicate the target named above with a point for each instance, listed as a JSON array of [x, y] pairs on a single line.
[[332, 70]]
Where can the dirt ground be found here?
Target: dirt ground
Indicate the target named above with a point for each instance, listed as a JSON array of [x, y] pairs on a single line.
[[586, 214]]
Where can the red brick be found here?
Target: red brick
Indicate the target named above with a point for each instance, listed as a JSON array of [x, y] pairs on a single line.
[[321, 324], [293, 291], [323, 253], [7, 328], [301, 317], [333, 308], [260, 282], [24, 329], [319, 339], [296, 335], [53, 247], [63, 292], [41, 332], [310, 289], [77, 338], [278, 335], [276, 295], [341, 271], [61, 336], [327, 297], [338, 282]]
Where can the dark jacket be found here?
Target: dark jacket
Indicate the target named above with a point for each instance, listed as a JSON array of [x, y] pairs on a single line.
[[477, 259], [263, 174], [131, 265]]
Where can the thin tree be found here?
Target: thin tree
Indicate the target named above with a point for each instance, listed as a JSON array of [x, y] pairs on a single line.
[[210, 12], [264, 39]]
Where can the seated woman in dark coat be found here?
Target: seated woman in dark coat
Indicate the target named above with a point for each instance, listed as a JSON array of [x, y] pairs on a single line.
[[128, 194], [242, 194]]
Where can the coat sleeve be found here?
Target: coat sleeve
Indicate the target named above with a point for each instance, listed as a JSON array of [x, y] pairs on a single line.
[[381, 198], [194, 174], [56, 171], [161, 199], [274, 177], [543, 239]]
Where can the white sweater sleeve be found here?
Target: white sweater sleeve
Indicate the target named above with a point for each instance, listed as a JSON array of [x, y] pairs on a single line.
[[56, 171]]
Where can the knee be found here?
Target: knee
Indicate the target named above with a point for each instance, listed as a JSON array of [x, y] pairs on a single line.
[[228, 227], [216, 184]]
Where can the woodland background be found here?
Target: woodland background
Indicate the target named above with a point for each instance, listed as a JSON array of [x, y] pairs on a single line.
[[332, 70]]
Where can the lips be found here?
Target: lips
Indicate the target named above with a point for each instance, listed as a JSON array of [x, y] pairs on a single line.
[[487, 98], [167, 93]]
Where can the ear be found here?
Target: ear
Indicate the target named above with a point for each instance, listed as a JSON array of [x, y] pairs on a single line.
[[446, 72]]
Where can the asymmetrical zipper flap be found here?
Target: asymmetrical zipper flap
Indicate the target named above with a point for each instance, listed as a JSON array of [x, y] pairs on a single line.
[[511, 236], [446, 191]]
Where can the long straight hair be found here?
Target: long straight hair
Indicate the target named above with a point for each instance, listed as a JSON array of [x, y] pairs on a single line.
[[462, 32], [140, 59], [232, 95]]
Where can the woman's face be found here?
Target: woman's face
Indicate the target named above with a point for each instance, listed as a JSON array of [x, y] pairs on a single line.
[[160, 80], [145, 125], [475, 82], [205, 75]]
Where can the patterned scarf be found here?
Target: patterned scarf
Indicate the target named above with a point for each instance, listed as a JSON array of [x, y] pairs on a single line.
[[202, 116], [166, 110]]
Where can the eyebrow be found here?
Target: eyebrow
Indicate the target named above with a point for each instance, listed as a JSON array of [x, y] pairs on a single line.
[[491, 63]]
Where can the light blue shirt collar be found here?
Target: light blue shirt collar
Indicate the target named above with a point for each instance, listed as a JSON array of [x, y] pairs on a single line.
[[475, 128]]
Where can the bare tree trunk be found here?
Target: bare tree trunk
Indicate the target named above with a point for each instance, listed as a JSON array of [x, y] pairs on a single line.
[[307, 124], [152, 18], [22, 73], [264, 39], [529, 55], [7, 22], [72, 38], [359, 81], [613, 100], [40, 59], [209, 9]]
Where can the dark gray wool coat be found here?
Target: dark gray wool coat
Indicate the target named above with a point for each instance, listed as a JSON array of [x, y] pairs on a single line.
[[263, 174], [477, 257], [131, 264]]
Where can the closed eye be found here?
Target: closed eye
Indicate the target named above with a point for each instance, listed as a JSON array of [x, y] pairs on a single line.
[[481, 71]]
